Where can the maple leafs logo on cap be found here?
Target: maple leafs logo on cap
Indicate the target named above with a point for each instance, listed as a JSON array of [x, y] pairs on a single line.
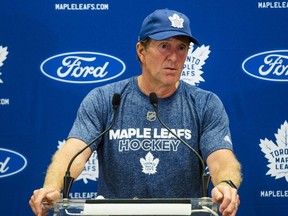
[[176, 21]]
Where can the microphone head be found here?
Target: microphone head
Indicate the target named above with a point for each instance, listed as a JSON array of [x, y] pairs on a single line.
[[116, 100], [153, 99]]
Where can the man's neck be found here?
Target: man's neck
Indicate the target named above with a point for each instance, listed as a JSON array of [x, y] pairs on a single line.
[[161, 91]]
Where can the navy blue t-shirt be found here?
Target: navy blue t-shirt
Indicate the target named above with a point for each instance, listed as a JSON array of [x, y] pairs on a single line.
[[138, 157]]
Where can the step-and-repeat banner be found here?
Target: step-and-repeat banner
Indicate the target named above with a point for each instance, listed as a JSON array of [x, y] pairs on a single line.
[[53, 52]]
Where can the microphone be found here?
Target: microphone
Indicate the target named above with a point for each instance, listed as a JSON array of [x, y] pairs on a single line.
[[68, 180], [205, 177]]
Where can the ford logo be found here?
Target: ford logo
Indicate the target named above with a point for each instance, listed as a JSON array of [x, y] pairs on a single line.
[[11, 162], [82, 67], [270, 65]]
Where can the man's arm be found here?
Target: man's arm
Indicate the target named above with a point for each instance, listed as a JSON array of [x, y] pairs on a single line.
[[53, 183], [223, 166], [60, 161]]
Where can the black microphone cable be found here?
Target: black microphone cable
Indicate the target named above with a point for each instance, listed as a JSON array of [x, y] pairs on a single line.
[[68, 180], [205, 177]]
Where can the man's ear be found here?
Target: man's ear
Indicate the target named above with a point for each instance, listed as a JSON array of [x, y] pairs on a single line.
[[140, 50]]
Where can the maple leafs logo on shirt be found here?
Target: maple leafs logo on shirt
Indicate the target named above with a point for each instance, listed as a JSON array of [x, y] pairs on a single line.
[[277, 153], [3, 56], [149, 164], [90, 171], [195, 60]]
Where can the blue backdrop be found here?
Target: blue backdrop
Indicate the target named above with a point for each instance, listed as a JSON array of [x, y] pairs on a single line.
[[52, 53]]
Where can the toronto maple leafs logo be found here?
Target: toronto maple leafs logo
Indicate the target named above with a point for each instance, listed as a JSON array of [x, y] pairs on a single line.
[[3, 56], [149, 164], [277, 153], [176, 21], [90, 171], [195, 60]]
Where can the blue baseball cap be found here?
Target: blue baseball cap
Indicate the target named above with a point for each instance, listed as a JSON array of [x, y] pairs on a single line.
[[165, 23]]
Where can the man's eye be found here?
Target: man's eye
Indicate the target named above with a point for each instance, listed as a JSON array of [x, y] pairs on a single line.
[[182, 47], [164, 46]]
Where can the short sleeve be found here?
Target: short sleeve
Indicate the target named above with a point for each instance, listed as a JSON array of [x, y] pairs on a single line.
[[215, 132]]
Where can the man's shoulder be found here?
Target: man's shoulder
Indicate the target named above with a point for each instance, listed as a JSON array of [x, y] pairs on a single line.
[[201, 97], [118, 84], [114, 87], [195, 91]]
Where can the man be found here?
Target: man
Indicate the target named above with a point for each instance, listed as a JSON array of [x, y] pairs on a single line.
[[138, 157]]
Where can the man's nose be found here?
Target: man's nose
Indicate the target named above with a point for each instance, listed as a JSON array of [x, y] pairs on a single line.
[[173, 55]]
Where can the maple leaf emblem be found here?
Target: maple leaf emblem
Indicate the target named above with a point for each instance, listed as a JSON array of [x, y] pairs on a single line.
[[192, 69], [90, 171], [277, 154], [149, 164], [61, 144], [3, 56], [91, 168], [176, 21]]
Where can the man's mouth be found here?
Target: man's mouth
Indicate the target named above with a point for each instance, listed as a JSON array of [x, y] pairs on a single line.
[[170, 68]]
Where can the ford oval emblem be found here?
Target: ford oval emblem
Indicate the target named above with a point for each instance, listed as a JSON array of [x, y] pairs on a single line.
[[82, 67], [271, 65], [11, 162]]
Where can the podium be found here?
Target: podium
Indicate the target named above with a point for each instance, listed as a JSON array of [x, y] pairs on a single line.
[[81, 207]]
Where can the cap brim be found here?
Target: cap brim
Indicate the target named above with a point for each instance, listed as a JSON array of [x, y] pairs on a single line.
[[165, 35]]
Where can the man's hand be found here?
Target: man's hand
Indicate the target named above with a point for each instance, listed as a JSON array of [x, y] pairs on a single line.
[[40, 195], [227, 197]]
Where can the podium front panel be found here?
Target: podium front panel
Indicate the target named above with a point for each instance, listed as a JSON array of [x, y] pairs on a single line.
[[176, 207]]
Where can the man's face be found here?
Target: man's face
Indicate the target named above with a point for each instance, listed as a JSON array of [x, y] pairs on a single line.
[[162, 61]]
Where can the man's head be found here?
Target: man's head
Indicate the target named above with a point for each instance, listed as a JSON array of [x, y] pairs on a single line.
[[162, 49], [165, 23]]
